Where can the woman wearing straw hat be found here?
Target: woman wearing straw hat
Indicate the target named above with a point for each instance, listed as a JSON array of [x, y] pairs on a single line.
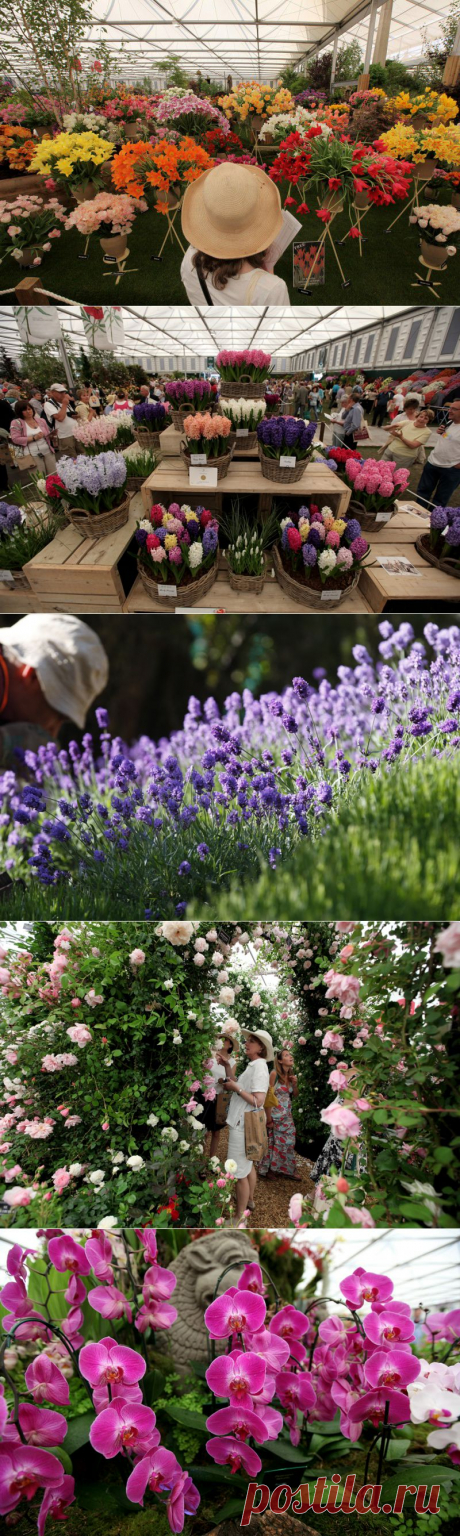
[[224, 1050], [248, 1092], [231, 215]]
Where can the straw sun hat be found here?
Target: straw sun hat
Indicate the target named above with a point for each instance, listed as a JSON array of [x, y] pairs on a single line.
[[263, 1035], [232, 211]]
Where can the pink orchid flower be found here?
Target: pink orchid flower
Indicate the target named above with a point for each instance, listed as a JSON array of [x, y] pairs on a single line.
[[235, 1455], [157, 1471], [237, 1312], [24, 1469], [66, 1254], [156, 1314], [183, 1500], [148, 1238], [41, 1426], [124, 1426], [252, 1280], [291, 1325], [46, 1382], [238, 1421], [387, 1328], [374, 1405], [275, 1351], [110, 1302], [295, 1390], [158, 1283], [56, 1502], [363, 1286], [99, 1254], [110, 1363], [237, 1376], [391, 1368]]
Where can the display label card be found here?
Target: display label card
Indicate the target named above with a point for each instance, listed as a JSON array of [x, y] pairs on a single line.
[[397, 565], [200, 610], [165, 591], [383, 517], [7, 577], [331, 597], [199, 477], [288, 461], [242, 431], [198, 458]]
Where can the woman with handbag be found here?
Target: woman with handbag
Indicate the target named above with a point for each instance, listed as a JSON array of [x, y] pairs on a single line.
[[247, 1140], [215, 1110], [30, 435], [280, 1159]]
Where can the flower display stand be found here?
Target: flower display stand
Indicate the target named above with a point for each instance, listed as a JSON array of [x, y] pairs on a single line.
[[170, 479], [226, 599], [170, 441], [77, 575], [423, 586]]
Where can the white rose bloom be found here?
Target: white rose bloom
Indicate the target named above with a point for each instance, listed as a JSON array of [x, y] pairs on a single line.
[[227, 996], [196, 1124], [176, 933], [152, 1120], [177, 1037], [118, 1157], [135, 1162], [184, 1146], [97, 1177], [212, 935], [168, 985], [169, 1133], [230, 1165], [75, 1169], [108, 1224]]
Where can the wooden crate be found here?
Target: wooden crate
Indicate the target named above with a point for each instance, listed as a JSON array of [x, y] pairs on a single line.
[[76, 575], [272, 599], [170, 480], [428, 587], [404, 528]]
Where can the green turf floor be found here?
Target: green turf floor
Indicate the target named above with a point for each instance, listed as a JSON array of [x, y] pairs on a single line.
[[384, 274]]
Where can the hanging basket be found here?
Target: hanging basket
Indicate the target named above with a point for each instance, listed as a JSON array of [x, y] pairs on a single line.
[[244, 388], [114, 245], [369, 521], [434, 255], [222, 464], [249, 440], [308, 591], [85, 192], [146, 438], [273, 470], [443, 563], [95, 525], [190, 589]]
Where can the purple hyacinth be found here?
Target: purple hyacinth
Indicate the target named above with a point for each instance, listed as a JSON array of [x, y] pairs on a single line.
[[439, 519], [210, 538], [309, 554], [353, 530], [452, 534], [11, 517], [151, 414]]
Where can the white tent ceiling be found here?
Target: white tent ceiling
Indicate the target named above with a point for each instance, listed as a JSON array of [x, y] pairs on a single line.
[[251, 39], [198, 333]]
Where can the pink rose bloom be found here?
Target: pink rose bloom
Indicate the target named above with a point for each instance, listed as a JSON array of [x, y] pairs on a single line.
[[79, 1034], [346, 952], [61, 1179], [342, 1121], [448, 944], [137, 957], [17, 1196], [295, 1209]]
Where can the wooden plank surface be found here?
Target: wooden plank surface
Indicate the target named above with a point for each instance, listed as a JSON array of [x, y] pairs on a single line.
[[245, 477], [271, 600], [428, 585], [72, 566]]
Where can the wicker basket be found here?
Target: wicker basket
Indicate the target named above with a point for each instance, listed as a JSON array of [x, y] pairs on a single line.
[[302, 593], [20, 583], [244, 442], [245, 388], [451, 567], [191, 591], [273, 470], [222, 464], [133, 483], [246, 583], [96, 525], [146, 438], [179, 413], [367, 520]]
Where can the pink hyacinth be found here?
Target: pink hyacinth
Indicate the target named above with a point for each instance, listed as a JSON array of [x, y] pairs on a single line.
[[109, 1363]]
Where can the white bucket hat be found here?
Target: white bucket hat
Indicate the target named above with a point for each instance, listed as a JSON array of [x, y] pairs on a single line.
[[263, 1035], [71, 664]]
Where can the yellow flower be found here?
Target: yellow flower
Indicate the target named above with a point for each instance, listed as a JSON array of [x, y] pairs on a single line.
[[64, 166], [339, 525], [170, 541]]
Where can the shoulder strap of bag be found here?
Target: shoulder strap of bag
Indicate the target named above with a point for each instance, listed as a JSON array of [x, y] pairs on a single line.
[[204, 289]]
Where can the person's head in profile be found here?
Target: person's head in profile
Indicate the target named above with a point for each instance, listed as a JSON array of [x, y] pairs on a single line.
[[231, 217]]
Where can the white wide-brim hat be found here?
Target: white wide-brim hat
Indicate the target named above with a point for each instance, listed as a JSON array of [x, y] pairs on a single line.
[[232, 211], [263, 1035], [71, 664]]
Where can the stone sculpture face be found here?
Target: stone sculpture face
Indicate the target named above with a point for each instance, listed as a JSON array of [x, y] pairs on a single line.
[[199, 1269]]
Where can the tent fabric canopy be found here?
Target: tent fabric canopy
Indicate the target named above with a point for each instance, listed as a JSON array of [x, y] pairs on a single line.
[[250, 39]]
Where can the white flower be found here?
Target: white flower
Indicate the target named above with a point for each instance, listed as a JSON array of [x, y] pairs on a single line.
[[256, 1000], [198, 959], [212, 936], [177, 1037], [227, 996], [195, 553], [108, 1224], [426, 1193], [176, 933], [169, 1133], [152, 1120], [327, 560], [191, 1015], [230, 1165], [196, 1124], [75, 1169], [184, 1146], [214, 1163], [217, 958], [439, 1438], [135, 1162], [118, 1157], [168, 985], [97, 1177], [201, 946]]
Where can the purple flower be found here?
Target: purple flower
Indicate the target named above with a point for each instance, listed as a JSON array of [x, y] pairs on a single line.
[[453, 533], [353, 530], [439, 518], [309, 552], [151, 414]]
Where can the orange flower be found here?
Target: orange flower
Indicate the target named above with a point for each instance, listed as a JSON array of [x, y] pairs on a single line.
[[162, 166]]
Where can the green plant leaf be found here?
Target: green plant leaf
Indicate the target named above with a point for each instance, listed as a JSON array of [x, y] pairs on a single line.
[[188, 1418], [232, 1507], [78, 1431], [429, 1476]]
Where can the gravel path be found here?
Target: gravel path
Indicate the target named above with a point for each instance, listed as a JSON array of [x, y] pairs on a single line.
[[271, 1206]]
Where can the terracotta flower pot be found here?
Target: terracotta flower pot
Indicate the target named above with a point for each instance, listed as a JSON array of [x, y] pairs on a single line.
[[434, 255], [255, 121], [171, 198], [85, 192], [419, 120], [115, 245], [28, 255], [333, 200], [133, 131], [455, 199], [423, 169], [361, 200]]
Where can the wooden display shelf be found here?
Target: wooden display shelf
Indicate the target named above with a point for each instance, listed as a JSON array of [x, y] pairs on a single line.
[[77, 575], [222, 596], [404, 528], [170, 441], [170, 478], [428, 586]]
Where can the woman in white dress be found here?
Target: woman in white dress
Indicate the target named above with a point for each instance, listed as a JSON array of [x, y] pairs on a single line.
[[248, 1092]]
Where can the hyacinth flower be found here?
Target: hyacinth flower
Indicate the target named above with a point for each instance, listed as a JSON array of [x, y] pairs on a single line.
[[234, 1314]]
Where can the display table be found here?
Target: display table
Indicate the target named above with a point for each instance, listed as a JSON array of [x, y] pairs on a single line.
[[225, 599], [170, 480], [416, 582], [77, 575]]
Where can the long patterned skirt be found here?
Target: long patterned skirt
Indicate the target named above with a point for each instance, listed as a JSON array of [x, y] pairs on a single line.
[[280, 1158]]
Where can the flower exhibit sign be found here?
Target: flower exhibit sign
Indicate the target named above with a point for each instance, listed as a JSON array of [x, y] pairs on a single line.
[[279, 1378]]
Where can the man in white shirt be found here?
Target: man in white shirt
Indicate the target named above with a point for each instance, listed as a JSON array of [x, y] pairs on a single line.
[[56, 412], [441, 473]]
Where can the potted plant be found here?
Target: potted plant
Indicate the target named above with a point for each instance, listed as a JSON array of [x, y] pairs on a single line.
[[165, 167], [74, 162], [318, 557], [272, 402], [376, 483], [177, 549], [92, 493], [438, 225], [150, 418], [112, 215], [189, 115], [206, 440], [17, 149], [246, 553], [139, 464], [337, 458], [244, 373], [188, 395], [27, 227], [244, 416], [96, 434], [22, 535], [441, 546], [285, 444]]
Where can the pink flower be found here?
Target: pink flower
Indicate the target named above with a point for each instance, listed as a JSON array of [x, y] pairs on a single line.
[[155, 1314], [374, 1405], [391, 1368], [388, 1327], [291, 1325], [110, 1302], [137, 957], [124, 1426], [183, 1500], [251, 1279], [56, 1501], [295, 1208], [358, 1216], [239, 1421], [157, 1471], [343, 1121], [61, 1179], [235, 1455], [98, 1251], [448, 943], [66, 1254], [79, 1034], [237, 1312], [24, 1469], [109, 1363], [17, 1196], [46, 1382], [363, 1286], [237, 1376], [41, 1426]]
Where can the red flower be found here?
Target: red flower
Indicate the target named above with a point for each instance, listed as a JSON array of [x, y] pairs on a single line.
[[324, 214], [288, 201], [94, 311], [54, 486], [354, 232], [205, 518], [156, 514], [294, 539], [334, 183], [302, 208], [152, 542]]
